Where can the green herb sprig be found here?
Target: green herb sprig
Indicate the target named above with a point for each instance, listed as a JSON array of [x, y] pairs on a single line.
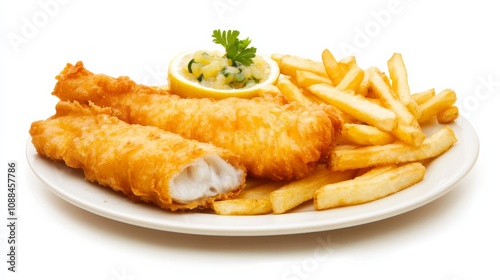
[[237, 50]]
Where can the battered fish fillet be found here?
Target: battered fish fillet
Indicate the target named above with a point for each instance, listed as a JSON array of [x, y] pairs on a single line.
[[145, 163], [272, 139]]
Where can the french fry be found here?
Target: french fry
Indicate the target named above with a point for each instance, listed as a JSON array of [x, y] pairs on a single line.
[[449, 115], [253, 201], [409, 134], [362, 190], [239, 206], [385, 93], [331, 67], [369, 172], [408, 129], [384, 77], [400, 86], [364, 88], [436, 104], [433, 146], [307, 78], [352, 79], [421, 97], [289, 64], [278, 57], [300, 191], [366, 135], [356, 106], [269, 90], [316, 99], [382, 149], [292, 92], [261, 190], [348, 61], [347, 147]]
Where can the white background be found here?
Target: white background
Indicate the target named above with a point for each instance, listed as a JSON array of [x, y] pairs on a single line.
[[445, 44]]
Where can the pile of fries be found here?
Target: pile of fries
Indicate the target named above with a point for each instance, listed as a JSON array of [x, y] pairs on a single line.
[[382, 146]]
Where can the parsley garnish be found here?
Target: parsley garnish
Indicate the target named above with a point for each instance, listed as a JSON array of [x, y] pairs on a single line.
[[237, 50]]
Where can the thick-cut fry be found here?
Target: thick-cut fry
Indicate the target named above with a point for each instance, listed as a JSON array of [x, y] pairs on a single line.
[[298, 192], [348, 61], [289, 64], [239, 206], [330, 64], [385, 93], [290, 146], [369, 172], [408, 129], [448, 115], [356, 106], [292, 92], [307, 78], [360, 190], [260, 191], [364, 88], [436, 104], [421, 97], [352, 79], [384, 77], [278, 57], [409, 134], [400, 86], [269, 90], [366, 135], [347, 147], [253, 201], [433, 146]]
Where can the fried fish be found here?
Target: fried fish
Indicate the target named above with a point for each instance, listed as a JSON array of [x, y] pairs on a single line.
[[272, 138], [145, 163]]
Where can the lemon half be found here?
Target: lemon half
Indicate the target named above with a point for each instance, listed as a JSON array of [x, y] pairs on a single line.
[[181, 85]]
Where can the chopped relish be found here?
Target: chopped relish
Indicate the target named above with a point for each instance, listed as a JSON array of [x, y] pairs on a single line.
[[213, 69]]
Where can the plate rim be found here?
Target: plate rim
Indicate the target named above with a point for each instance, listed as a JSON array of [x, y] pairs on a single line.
[[248, 228]]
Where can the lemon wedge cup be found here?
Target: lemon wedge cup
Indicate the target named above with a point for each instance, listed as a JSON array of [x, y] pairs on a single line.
[[183, 86]]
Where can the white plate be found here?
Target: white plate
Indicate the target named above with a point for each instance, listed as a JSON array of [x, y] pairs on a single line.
[[443, 174]]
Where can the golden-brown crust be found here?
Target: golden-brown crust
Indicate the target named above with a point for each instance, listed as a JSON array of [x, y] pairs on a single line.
[[272, 138], [75, 83], [136, 160]]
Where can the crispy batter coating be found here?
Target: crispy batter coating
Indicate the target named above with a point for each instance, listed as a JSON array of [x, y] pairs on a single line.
[[272, 139], [137, 160]]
